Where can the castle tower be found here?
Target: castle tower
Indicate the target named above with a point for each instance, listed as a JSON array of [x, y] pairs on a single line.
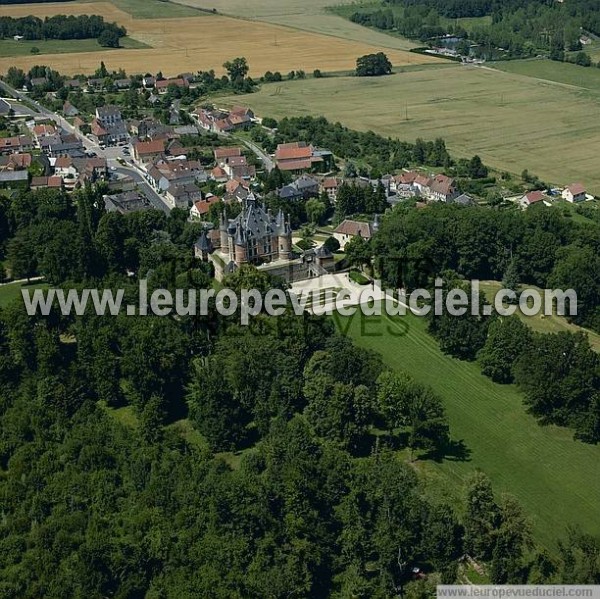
[[240, 247], [223, 232], [284, 236]]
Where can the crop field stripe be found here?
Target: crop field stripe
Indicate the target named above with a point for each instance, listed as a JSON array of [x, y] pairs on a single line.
[[206, 42]]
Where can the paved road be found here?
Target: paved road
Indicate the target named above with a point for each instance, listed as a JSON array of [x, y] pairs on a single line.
[[265, 158], [112, 154], [260, 154], [155, 199]]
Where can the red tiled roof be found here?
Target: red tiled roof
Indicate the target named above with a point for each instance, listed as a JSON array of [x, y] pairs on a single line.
[[293, 152], [576, 188], [146, 148], [227, 152], [63, 162], [407, 178], [534, 196], [331, 183], [218, 172], [354, 227], [164, 83]]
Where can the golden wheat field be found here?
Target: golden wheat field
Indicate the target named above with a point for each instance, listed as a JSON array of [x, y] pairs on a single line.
[[202, 43]]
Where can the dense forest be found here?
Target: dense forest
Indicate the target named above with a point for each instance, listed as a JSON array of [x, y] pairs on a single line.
[[110, 429], [515, 29], [60, 27]]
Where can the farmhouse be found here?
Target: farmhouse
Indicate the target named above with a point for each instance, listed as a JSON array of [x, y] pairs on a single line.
[[574, 193]]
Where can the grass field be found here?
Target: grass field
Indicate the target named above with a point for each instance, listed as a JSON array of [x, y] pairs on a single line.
[[10, 47], [512, 121], [556, 479], [12, 291], [203, 42], [581, 78]]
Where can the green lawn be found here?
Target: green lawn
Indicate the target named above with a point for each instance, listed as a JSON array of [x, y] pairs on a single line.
[[556, 479], [12, 291], [9, 47], [512, 121]]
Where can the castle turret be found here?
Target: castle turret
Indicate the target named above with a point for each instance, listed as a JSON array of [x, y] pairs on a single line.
[[240, 247], [203, 247], [223, 232], [284, 237]]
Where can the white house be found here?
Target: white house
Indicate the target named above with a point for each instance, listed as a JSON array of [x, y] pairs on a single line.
[[574, 193]]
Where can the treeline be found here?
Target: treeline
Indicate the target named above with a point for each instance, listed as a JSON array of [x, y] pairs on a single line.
[[383, 154], [559, 374], [59, 27], [517, 29]]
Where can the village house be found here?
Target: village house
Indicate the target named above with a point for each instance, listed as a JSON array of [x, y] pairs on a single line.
[[126, 202], [52, 182], [19, 143], [303, 187], [236, 190], [164, 173], [224, 154], [163, 85], [181, 195], [222, 121], [66, 170], [14, 179], [219, 175], [442, 189], [201, 208], [15, 162], [574, 193], [330, 186], [532, 197], [237, 167], [69, 110], [348, 229], [65, 144], [147, 150], [110, 119]]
